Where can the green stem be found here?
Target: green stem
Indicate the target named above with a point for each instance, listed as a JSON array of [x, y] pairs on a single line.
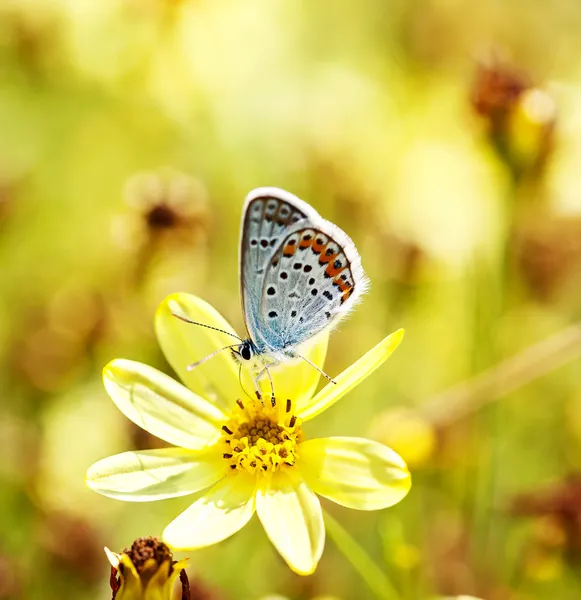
[[373, 576]]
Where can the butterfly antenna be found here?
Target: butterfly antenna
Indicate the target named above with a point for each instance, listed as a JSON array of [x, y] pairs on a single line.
[[186, 320], [203, 360], [318, 369]]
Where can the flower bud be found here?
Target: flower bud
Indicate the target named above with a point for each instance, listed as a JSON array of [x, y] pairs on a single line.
[[518, 115], [146, 571]]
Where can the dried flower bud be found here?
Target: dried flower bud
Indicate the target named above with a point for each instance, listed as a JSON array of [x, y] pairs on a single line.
[[496, 90], [165, 228], [167, 204], [558, 514], [520, 116], [146, 571]]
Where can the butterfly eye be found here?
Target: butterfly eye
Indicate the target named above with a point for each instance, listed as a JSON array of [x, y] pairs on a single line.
[[246, 352]]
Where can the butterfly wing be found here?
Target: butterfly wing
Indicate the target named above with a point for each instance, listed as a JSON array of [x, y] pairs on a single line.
[[267, 216], [311, 281]]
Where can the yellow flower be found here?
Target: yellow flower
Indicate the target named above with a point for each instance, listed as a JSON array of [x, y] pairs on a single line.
[[250, 457], [146, 571]]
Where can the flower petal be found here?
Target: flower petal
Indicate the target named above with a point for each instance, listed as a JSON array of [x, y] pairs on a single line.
[[162, 582], [352, 376], [292, 518], [130, 581], [354, 472], [161, 405], [168, 587], [298, 380], [184, 343], [220, 513], [147, 475]]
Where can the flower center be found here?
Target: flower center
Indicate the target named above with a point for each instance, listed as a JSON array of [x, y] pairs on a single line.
[[261, 439], [146, 549]]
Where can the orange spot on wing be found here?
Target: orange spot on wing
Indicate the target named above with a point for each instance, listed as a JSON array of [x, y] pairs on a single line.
[[333, 271], [289, 250], [327, 259], [305, 243], [342, 285], [318, 248]]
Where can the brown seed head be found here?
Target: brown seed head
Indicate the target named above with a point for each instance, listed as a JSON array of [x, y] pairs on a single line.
[[145, 549]]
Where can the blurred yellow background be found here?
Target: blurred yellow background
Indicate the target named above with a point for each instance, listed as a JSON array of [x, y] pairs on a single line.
[[443, 136]]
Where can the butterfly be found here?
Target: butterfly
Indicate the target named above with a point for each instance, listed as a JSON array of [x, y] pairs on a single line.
[[299, 275]]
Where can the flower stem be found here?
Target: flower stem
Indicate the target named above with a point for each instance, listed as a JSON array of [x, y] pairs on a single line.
[[373, 576]]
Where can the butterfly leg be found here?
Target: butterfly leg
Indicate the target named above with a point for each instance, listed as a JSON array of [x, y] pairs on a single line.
[[257, 387], [267, 371]]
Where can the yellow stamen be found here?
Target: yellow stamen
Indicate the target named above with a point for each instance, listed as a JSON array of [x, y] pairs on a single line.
[[261, 439]]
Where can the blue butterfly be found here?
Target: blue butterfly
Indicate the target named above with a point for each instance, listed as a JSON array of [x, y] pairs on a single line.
[[299, 275]]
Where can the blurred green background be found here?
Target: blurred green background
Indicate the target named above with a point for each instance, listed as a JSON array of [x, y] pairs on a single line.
[[443, 136]]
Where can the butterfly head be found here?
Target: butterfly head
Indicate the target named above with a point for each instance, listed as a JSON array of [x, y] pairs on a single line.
[[245, 352]]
